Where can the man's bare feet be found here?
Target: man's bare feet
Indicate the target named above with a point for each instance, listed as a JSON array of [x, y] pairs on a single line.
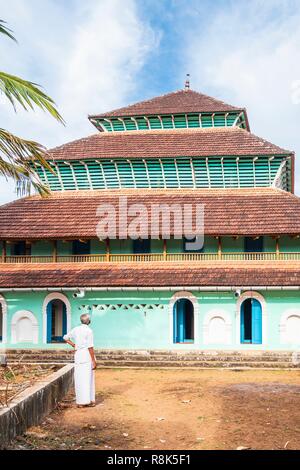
[[92, 403]]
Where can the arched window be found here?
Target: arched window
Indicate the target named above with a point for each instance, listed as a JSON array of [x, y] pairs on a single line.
[[56, 321], [183, 321], [24, 327], [251, 321], [290, 327]]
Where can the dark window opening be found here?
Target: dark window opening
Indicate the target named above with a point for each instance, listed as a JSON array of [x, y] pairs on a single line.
[[254, 245], [248, 320], [188, 250], [141, 246], [81, 248], [21, 249]]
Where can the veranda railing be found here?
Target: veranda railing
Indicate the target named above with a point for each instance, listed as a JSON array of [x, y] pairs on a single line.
[[154, 257]]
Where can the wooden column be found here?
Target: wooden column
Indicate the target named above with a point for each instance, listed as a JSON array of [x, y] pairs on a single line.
[[3, 251], [107, 242], [219, 247], [165, 250], [54, 253], [277, 247]]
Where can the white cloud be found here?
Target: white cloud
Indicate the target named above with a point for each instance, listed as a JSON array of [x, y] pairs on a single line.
[[248, 55], [87, 55]]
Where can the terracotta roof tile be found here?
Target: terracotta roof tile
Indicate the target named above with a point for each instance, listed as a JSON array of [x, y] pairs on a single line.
[[181, 101], [72, 214], [148, 275], [173, 143]]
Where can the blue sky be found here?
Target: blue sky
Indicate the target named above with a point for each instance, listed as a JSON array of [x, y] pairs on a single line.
[[97, 55]]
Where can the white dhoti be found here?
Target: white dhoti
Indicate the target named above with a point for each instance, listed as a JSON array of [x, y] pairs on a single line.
[[84, 378], [84, 374]]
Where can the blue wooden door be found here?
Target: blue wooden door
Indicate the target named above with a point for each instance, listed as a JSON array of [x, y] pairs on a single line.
[[256, 322], [64, 321], [49, 322], [242, 339], [179, 322]]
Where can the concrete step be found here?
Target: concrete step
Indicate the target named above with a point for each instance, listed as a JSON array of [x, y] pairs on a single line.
[[158, 358]]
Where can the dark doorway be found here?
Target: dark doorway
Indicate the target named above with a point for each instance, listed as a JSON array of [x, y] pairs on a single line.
[[251, 322], [183, 321], [56, 321]]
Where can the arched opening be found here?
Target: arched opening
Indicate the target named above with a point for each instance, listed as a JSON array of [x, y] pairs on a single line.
[[251, 321], [293, 329], [183, 321], [24, 328], [1, 323], [56, 321], [217, 330]]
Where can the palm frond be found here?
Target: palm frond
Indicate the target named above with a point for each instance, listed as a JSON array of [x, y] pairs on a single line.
[[6, 31], [27, 94], [17, 158]]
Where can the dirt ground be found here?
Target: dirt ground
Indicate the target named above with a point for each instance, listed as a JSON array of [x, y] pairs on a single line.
[[178, 409]]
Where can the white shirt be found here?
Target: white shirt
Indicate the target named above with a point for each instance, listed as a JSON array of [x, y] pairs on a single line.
[[82, 336]]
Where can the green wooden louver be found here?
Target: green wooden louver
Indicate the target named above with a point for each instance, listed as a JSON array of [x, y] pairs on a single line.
[[176, 121], [183, 172]]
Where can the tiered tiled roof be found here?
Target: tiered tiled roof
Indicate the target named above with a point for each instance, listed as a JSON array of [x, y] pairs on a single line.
[[182, 101], [72, 214], [171, 143], [149, 275]]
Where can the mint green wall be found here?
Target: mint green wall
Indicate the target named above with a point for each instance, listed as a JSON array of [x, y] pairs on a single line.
[[231, 245], [287, 244], [157, 246], [269, 244], [42, 248], [150, 328], [64, 248], [98, 247]]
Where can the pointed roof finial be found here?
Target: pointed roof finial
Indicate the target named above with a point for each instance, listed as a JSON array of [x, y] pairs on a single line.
[[187, 82]]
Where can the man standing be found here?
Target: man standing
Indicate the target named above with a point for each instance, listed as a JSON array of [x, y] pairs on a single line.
[[81, 339]]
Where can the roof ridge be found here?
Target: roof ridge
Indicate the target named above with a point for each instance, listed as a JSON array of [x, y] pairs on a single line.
[[158, 98]]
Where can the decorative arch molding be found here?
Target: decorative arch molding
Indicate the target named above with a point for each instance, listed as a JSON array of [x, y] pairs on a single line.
[[208, 319], [4, 319], [283, 326], [49, 298], [189, 296], [17, 317], [252, 295]]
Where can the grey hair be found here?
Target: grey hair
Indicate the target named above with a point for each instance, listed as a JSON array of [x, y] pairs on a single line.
[[85, 319]]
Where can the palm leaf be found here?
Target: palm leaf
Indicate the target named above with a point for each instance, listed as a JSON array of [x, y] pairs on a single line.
[[6, 31], [17, 158], [27, 94]]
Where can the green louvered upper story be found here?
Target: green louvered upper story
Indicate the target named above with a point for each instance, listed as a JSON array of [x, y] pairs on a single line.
[[212, 172], [184, 109], [180, 140]]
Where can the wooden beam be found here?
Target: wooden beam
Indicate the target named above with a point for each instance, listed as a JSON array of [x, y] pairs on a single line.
[[107, 242], [277, 247], [165, 249], [3, 251], [219, 247], [54, 252]]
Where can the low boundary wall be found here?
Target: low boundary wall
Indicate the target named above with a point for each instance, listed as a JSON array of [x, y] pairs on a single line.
[[33, 404]]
